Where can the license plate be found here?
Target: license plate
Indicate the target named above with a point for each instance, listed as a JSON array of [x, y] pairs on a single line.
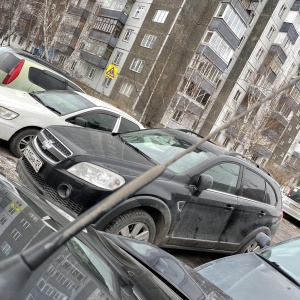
[[33, 159]]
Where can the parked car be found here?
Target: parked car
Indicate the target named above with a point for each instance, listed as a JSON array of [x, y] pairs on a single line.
[[89, 265], [23, 114], [271, 273], [208, 200], [291, 203], [23, 71]]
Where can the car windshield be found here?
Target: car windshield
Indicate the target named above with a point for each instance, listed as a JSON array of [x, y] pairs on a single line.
[[62, 102], [160, 146], [286, 256]]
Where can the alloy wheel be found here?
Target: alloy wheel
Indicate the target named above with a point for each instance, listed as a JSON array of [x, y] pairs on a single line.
[[136, 230]]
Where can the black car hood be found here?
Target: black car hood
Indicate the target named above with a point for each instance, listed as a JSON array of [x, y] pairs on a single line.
[[104, 149]]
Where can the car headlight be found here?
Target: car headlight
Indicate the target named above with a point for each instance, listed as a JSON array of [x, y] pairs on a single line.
[[7, 114], [97, 176]]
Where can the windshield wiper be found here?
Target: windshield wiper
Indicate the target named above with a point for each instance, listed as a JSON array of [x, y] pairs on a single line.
[[137, 150], [40, 101], [276, 266]]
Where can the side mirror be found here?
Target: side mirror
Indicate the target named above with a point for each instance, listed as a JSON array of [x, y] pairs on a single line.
[[204, 182], [80, 122], [262, 240]]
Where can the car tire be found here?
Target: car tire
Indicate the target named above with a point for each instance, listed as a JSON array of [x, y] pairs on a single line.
[[249, 246], [136, 224], [18, 143]]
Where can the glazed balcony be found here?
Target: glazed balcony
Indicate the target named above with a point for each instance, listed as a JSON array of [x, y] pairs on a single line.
[[97, 61], [262, 150], [113, 14]]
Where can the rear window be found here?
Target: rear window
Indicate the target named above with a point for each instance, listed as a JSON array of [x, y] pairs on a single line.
[[127, 125], [8, 61], [73, 87], [45, 80]]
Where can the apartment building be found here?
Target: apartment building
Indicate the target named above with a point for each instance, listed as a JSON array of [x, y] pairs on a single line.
[[190, 64]]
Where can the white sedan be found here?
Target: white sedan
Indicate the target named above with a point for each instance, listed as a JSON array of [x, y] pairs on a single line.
[[23, 114]]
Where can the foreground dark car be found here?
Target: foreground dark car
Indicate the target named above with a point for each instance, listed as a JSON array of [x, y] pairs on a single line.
[[272, 273], [89, 266], [207, 200]]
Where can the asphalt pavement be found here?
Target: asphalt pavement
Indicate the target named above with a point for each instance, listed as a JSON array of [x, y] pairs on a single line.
[[289, 228]]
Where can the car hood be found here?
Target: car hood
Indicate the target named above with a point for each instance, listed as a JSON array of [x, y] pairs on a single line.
[[21, 101], [103, 149], [247, 276]]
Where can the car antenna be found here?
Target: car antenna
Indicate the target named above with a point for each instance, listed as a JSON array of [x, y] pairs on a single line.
[[17, 269]]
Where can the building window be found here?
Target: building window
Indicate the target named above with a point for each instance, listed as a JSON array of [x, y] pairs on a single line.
[[11, 210], [281, 143], [274, 156], [138, 12], [298, 126], [90, 72], [289, 141], [232, 19], [202, 97], [249, 75], [285, 110], [117, 59], [298, 113], [108, 25], [195, 124], [251, 18], [25, 223], [270, 32], [2, 220], [241, 41], [107, 81], [16, 234], [160, 16], [137, 65], [127, 35], [282, 11], [282, 154], [148, 41], [126, 89], [226, 141], [208, 70], [237, 95], [73, 65], [216, 137], [290, 128], [178, 115], [235, 146], [295, 93], [61, 59], [259, 53], [227, 116], [14, 37], [5, 248]]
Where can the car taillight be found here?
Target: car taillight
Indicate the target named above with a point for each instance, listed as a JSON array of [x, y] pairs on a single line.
[[14, 72], [281, 214]]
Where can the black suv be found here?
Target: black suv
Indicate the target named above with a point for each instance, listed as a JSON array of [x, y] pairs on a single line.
[[207, 200]]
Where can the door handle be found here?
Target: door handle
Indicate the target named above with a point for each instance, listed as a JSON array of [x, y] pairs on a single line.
[[228, 207], [262, 213]]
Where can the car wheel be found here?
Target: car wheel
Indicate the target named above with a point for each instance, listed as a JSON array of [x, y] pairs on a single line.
[[136, 224], [249, 247], [19, 142]]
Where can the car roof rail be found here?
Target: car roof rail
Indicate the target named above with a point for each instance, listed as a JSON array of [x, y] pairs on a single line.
[[239, 155], [193, 132]]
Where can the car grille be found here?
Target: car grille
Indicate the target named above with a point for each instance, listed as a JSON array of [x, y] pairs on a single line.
[[71, 205], [55, 150]]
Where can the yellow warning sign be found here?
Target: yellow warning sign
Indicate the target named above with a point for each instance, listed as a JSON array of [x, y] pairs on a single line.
[[111, 71], [15, 206]]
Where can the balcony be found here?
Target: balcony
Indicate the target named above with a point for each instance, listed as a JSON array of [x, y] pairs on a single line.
[[97, 61], [290, 101], [78, 11], [71, 29], [113, 14], [290, 30], [212, 56], [271, 134], [220, 26], [185, 103], [240, 9], [232, 131], [198, 79], [276, 49], [280, 118], [61, 47], [257, 92], [103, 37], [262, 150]]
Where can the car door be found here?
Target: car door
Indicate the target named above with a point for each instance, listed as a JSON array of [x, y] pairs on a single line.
[[256, 206], [97, 119], [204, 217]]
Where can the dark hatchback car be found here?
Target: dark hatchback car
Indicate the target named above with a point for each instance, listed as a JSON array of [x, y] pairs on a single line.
[[208, 200], [91, 265]]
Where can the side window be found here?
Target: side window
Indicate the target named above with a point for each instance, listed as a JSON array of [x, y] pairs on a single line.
[[44, 80], [225, 177], [71, 86], [270, 195], [253, 186], [100, 121], [127, 125]]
